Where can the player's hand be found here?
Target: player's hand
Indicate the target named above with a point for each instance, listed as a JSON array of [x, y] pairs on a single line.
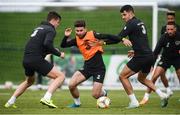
[[130, 53], [62, 55], [68, 32], [96, 43], [127, 42]]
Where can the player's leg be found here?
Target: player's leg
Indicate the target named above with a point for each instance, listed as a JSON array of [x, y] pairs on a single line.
[[29, 72], [48, 69], [124, 75], [165, 82], [178, 74], [98, 90], [76, 79], [20, 90], [150, 84], [146, 67], [158, 72], [176, 64], [58, 79], [39, 81]]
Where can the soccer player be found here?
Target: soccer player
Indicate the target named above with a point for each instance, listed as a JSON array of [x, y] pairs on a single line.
[[143, 57], [93, 62], [170, 16], [169, 43], [39, 45]]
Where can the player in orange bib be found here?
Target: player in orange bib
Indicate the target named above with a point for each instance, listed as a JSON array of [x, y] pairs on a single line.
[[89, 44]]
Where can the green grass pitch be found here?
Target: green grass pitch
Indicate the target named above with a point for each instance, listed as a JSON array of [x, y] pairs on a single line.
[[28, 103]]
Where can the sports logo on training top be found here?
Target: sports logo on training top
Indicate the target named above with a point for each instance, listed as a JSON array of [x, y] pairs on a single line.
[[98, 77], [177, 43], [167, 45]]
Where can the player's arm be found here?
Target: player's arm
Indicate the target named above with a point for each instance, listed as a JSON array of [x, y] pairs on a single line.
[[111, 39], [159, 46], [107, 38], [67, 41], [126, 30], [48, 43]]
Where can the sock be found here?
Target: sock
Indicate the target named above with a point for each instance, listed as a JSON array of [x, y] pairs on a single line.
[[132, 97], [146, 96], [48, 96], [104, 92], [12, 100], [77, 101], [168, 89], [159, 92]]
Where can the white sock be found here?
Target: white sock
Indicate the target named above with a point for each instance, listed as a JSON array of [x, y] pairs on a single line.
[[159, 92], [77, 101], [12, 100], [146, 96], [104, 92], [168, 89], [48, 96], [132, 98]]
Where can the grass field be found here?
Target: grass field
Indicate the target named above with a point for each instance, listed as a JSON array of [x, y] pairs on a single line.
[[28, 103]]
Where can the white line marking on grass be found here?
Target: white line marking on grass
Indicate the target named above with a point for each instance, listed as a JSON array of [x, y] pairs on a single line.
[[4, 93]]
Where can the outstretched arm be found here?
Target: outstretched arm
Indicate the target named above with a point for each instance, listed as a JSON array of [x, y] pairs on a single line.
[[107, 38], [112, 39], [68, 42]]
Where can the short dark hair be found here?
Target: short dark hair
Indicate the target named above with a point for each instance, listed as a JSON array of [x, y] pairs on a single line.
[[172, 13], [126, 8], [53, 15], [80, 23]]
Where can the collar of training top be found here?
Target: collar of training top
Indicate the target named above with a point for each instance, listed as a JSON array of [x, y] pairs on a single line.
[[47, 23]]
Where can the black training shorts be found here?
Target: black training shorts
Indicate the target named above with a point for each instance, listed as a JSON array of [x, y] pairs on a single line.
[[166, 63], [95, 68], [40, 65], [141, 63], [97, 76]]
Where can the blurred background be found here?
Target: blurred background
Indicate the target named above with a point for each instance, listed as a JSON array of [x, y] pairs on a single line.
[[17, 21]]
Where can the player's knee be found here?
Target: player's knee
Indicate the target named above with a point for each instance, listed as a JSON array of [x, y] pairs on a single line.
[[71, 86], [153, 80], [96, 95], [61, 76], [141, 79], [178, 73], [30, 80], [121, 78]]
